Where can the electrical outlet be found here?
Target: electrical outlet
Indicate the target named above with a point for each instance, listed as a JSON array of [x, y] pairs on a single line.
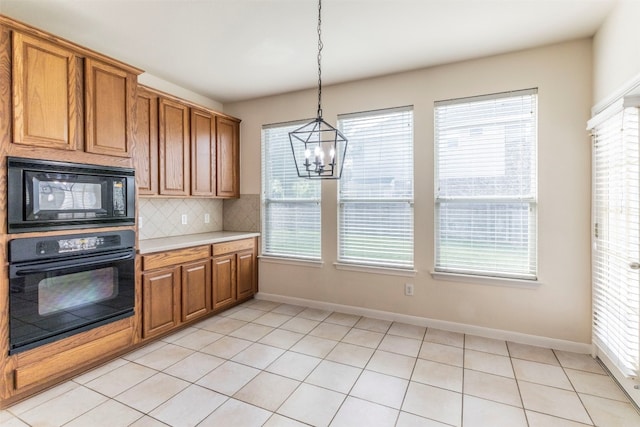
[[184, 219], [408, 289], [139, 222], [207, 218]]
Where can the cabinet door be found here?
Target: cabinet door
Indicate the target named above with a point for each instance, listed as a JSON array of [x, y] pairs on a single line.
[[246, 274], [160, 296], [196, 289], [109, 98], [47, 100], [228, 158], [224, 281], [203, 153], [174, 148], [146, 137]]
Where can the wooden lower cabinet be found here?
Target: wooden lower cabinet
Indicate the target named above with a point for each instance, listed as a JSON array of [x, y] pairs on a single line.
[[246, 274], [31, 374], [176, 288], [28, 372], [186, 284], [174, 295], [224, 280], [160, 295], [234, 272], [196, 289]]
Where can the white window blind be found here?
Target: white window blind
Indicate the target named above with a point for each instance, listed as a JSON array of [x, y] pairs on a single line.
[[485, 185], [290, 205], [375, 196], [616, 238]]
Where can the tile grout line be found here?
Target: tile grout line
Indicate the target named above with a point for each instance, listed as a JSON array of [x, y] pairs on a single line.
[[515, 379], [573, 387]]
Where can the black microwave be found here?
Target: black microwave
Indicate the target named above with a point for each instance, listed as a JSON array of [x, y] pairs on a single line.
[[47, 195]]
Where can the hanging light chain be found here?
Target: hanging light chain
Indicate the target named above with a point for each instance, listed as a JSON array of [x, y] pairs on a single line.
[[320, 46]]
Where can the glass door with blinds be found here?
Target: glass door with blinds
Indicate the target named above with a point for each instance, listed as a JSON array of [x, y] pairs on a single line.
[[616, 237]]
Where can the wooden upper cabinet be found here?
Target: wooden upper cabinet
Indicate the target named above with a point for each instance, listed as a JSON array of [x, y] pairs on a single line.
[[203, 153], [47, 94], [228, 158], [109, 99], [184, 150], [174, 148], [146, 137]]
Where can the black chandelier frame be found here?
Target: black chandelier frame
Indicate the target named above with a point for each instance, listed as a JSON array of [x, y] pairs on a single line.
[[318, 148]]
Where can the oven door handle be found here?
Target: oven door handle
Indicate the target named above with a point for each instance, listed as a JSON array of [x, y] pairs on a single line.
[[30, 271]]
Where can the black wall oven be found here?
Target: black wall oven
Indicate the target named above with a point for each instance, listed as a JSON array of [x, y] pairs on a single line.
[[63, 285], [47, 195]]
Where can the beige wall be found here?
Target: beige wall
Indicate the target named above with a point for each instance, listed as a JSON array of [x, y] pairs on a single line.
[[616, 50], [560, 306]]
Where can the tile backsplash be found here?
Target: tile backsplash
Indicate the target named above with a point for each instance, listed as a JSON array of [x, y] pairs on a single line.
[[242, 214], [163, 217]]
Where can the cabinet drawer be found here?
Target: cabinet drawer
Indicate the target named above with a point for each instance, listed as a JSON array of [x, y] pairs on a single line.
[[234, 246], [66, 361], [164, 259]]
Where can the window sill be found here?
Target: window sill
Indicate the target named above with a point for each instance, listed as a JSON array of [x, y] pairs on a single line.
[[484, 280], [291, 261], [375, 269]]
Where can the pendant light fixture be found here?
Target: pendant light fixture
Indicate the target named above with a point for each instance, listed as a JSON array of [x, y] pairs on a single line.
[[318, 148]]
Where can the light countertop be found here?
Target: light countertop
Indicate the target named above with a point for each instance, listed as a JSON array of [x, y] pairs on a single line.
[[188, 240]]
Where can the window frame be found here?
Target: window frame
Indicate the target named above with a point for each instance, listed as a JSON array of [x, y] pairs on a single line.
[[344, 201], [266, 202], [531, 200]]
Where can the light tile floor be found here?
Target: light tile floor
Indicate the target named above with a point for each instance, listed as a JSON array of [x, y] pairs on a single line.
[[269, 364]]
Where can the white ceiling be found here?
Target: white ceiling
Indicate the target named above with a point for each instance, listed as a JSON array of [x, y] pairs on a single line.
[[230, 50]]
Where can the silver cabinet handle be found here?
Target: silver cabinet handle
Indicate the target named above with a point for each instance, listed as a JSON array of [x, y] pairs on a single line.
[[634, 265]]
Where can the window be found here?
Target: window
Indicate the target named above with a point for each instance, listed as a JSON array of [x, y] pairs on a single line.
[[290, 205], [616, 234], [485, 185], [375, 195]]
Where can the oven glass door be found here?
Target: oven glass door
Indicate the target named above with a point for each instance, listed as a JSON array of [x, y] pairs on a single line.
[[55, 299]]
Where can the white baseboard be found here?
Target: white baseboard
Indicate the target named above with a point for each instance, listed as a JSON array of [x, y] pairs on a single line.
[[518, 337]]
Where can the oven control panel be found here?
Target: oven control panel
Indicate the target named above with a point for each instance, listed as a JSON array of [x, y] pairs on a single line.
[[71, 245], [33, 248]]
